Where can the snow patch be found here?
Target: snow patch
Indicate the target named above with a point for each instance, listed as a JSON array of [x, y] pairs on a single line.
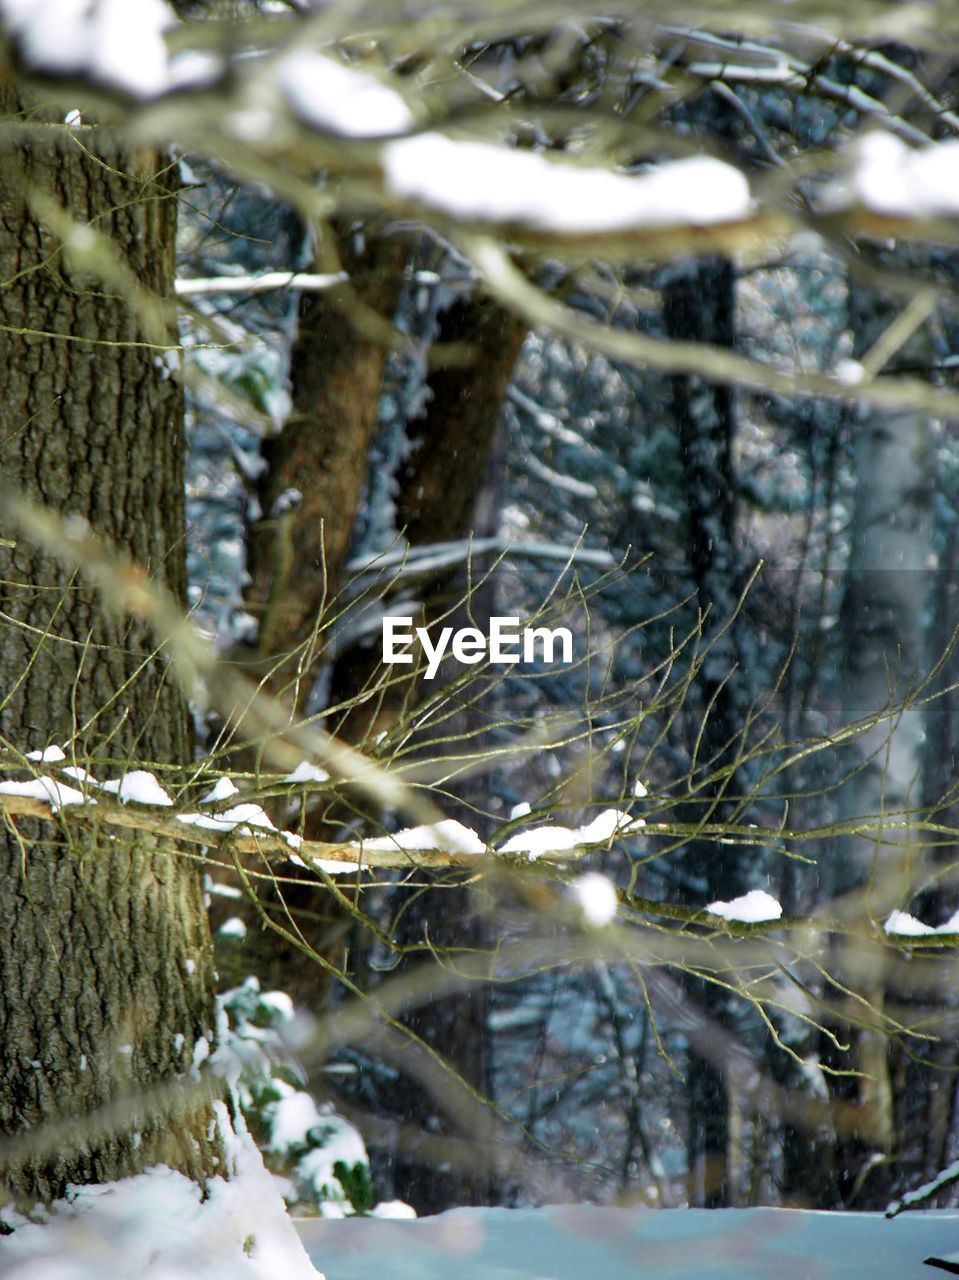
[[538, 841], [393, 1209], [327, 95], [595, 895], [307, 772], [118, 42], [899, 181], [240, 818], [752, 908], [903, 925], [222, 789], [138, 786], [158, 1225], [484, 182], [447, 834], [56, 794]]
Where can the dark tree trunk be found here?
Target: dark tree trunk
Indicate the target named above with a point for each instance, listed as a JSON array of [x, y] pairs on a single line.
[[297, 550], [106, 973], [699, 305], [446, 491]]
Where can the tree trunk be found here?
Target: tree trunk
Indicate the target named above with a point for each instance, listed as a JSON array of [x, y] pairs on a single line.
[[699, 305], [882, 622], [447, 490], [106, 973], [298, 549]]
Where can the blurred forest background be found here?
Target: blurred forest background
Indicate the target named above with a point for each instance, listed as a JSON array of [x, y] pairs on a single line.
[[725, 457]]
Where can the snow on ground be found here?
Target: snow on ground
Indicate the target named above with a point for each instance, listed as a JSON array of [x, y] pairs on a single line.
[[579, 1242], [484, 182], [155, 1226], [752, 908]]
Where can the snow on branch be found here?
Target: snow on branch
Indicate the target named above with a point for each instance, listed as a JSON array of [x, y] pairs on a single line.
[[488, 182], [263, 282], [136, 801], [299, 110], [430, 557]]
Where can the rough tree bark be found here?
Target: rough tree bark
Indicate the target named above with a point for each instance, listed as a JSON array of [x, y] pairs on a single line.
[[106, 973]]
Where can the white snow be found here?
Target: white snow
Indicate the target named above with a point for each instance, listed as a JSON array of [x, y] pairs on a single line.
[[539, 840], [327, 95], [944, 1178], [393, 1209], [329, 865], [307, 772], [140, 786], [595, 896], [56, 794], [898, 181], [222, 789], [556, 839], [486, 182], [233, 928], [951, 925], [520, 810], [280, 1003], [340, 1142], [81, 774], [49, 755], [578, 1242], [118, 42], [159, 1226], [752, 908], [333, 868], [242, 816], [195, 67], [320, 1139], [291, 1117], [447, 834], [639, 789], [904, 925], [606, 824], [849, 373]]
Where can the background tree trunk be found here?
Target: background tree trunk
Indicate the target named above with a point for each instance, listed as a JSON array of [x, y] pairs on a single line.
[[699, 305], [883, 638]]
